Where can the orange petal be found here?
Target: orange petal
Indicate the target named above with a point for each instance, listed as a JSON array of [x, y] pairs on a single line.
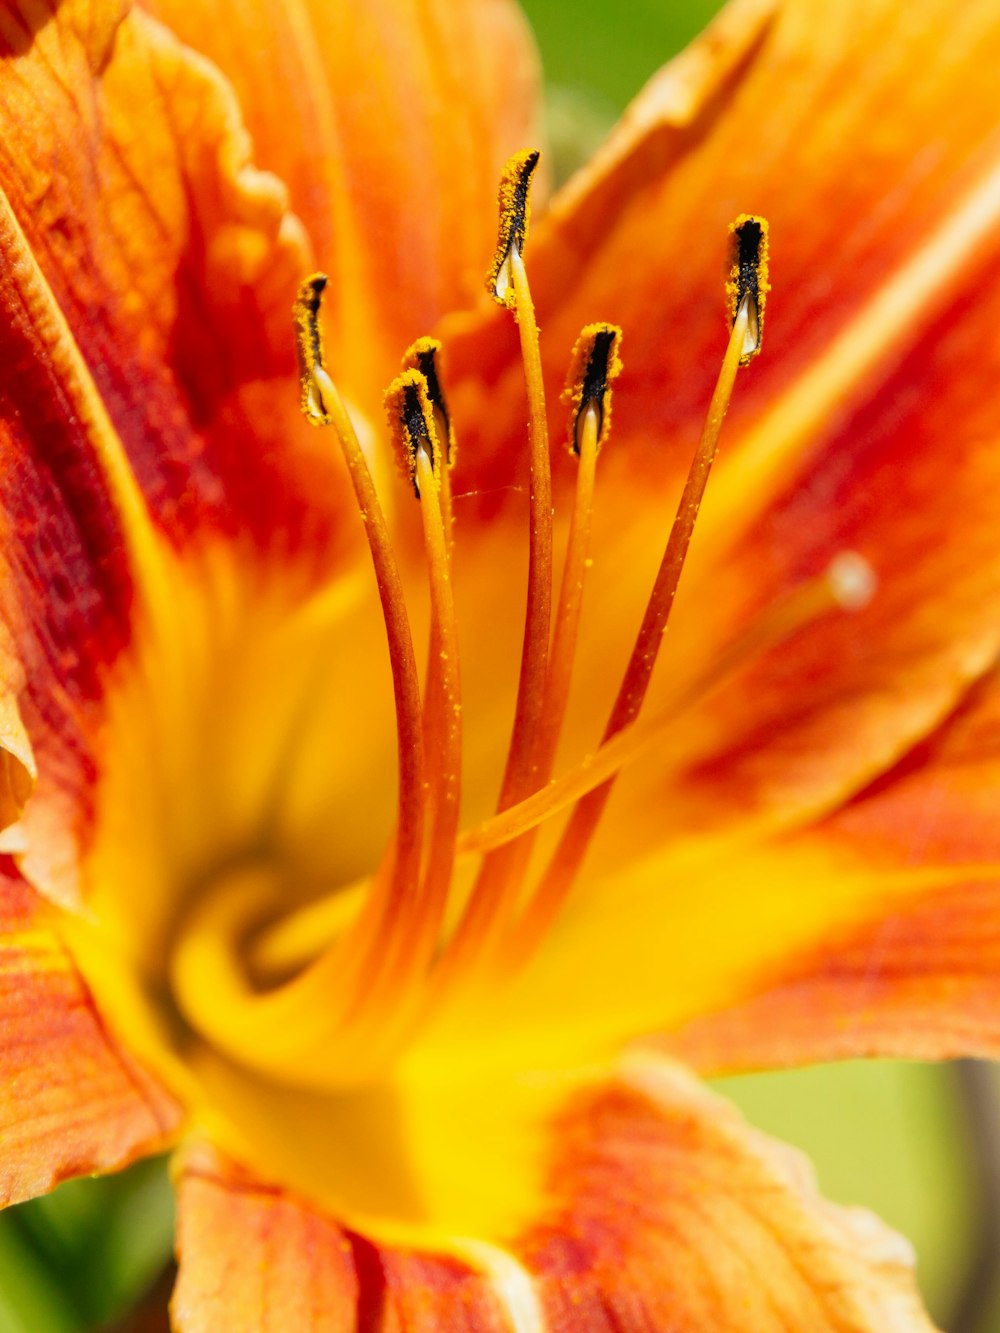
[[823, 714], [71, 1101], [867, 421], [917, 974], [673, 1213], [922, 984], [173, 261], [661, 1209], [869, 931], [393, 169], [255, 1258], [770, 111], [145, 286]]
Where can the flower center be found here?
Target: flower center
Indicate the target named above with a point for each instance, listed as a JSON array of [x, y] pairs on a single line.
[[386, 956], [323, 988]]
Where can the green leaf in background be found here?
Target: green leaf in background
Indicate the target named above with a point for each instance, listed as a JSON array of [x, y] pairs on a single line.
[[86, 1253], [596, 58], [611, 50]]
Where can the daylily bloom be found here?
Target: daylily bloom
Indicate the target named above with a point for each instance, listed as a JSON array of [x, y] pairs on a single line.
[[423, 1065]]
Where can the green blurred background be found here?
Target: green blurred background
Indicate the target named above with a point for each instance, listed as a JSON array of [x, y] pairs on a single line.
[[891, 1136]]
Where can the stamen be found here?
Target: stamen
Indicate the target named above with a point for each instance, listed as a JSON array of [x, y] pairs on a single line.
[[576, 838], [493, 892], [423, 356], [515, 217], [747, 280], [520, 771], [594, 365], [411, 423], [654, 624], [309, 348], [322, 405], [410, 411], [444, 740]]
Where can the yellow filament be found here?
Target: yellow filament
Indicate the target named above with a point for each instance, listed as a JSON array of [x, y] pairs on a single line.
[[569, 854], [495, 888], [519, 773], [416, 940], [567, 619], [407, 844]]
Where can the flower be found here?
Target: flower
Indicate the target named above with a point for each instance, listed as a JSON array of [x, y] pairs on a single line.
[[199, 720]]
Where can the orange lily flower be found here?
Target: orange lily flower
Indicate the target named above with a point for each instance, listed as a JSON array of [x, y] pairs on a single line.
[[424, 1061]]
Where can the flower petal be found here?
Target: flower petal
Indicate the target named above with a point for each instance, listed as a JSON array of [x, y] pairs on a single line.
[[870, 931], [172, 260], [256, 1260], [394, 173], [879, 347], [674, 1213], [660, 1208], [71, 1101], [18, 770], [147, 277], [917, 973]]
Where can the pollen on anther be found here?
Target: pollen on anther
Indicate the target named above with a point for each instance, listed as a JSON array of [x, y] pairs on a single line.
[[410, 414], [747, 278], [423, 356], [595, 363], [309, 347], [514, 200]]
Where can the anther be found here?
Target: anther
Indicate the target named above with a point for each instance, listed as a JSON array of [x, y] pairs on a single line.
[[515, 215], [423, 356], [410, 413], [309, 348], [747, 279], [594, 364]]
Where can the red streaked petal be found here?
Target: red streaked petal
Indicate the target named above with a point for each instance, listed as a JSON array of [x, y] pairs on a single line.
[[393, 172], [769, 111], [145, 289], [920, 984], [917, 974], [255, 1260], [674, 1213], [825, 712], [867, 421], [173, 260], [71, 1101], [661, 1209]]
